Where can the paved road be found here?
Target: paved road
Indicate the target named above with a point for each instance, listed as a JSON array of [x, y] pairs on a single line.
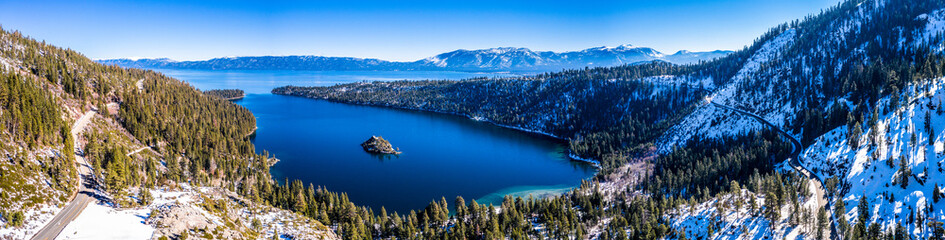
[[142, 149], [85, 194], [823, 200]]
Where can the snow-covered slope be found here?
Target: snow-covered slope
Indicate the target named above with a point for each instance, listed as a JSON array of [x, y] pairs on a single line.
[[839, 61], [730, 216], [809, 66], [873, 168], [711, 122]]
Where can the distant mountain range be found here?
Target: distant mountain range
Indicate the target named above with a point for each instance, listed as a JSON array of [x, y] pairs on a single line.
[[492, 59]]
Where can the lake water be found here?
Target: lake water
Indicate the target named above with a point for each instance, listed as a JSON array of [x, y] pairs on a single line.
[[443, 155]]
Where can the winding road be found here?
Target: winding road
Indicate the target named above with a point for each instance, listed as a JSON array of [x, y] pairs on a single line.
[[86, 193], [823, 200], [142, 149]]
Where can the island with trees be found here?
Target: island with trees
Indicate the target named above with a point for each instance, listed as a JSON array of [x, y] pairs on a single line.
[[378, 145]]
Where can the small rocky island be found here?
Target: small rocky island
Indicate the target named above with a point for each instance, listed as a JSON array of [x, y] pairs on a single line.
[[377, 144]]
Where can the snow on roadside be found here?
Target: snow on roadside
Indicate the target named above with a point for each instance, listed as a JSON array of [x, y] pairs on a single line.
[[36, 219], [102, 222], [196, 210]]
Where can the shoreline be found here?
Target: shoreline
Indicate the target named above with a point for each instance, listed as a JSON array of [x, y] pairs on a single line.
[[235, 98], [575, 157], [253, 132]]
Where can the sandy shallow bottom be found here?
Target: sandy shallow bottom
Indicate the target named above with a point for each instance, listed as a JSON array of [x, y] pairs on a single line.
[[524, 191]]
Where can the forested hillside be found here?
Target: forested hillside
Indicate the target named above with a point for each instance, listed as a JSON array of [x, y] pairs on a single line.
[[157, 110], [187, 137], [36, 146]]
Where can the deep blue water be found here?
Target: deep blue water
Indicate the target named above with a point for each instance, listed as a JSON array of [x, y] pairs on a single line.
[[443, 155]]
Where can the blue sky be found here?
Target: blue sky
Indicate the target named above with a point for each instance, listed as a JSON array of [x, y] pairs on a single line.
[[392, 30]]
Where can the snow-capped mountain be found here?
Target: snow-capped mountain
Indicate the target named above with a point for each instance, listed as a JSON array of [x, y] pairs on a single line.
[[525, 59], [492, 59]]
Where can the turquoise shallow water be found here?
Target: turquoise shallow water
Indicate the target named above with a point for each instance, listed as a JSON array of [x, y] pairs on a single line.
[[443, 155]]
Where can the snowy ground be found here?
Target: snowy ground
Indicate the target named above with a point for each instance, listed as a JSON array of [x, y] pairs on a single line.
[[98, 221], [102, 221], [187, 209], [736, 220]]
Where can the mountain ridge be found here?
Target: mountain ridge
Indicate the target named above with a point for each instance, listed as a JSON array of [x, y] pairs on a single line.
[[489, 59]]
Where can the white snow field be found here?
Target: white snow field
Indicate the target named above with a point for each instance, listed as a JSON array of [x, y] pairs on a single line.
[[103, 222]]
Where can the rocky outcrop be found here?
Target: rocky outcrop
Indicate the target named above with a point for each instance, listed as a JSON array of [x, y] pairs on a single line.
[[378, 145]]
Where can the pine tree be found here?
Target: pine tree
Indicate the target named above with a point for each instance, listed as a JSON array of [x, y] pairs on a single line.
[[863, 217], [904, 172], [444, 211], [460, 206], [116, 173], [936, 193], [839, 211], [144, 196], [928, 127], [821, 222], [300, 204], [854, 136]]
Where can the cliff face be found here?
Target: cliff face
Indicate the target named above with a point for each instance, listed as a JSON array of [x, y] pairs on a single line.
[[377, 144]]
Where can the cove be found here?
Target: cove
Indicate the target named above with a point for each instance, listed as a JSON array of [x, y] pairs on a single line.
[[443, 155]]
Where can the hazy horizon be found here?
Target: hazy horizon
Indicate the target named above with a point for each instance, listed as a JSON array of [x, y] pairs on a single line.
[[301, 55]]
